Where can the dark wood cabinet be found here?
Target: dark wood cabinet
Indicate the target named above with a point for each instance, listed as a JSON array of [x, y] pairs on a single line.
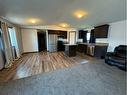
[[82, 48], [100, 51], [60, 46], [70, 50], [83, 35], [92, 38], [93, 49], [59, 33], [101, 31]]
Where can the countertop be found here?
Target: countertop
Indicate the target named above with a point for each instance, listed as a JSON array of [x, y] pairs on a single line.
[[70, 44], [90, 44], [95, 44]]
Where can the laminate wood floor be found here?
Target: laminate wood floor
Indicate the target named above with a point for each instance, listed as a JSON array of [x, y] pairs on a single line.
[[36, 63]]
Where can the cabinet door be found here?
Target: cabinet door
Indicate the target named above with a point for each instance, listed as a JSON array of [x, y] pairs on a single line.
[[63, 33], [83, 35], [100, 51], [82, 48], [80, 35]]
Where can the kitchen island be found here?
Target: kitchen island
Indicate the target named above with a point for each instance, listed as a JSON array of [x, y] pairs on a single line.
[[70, 49]]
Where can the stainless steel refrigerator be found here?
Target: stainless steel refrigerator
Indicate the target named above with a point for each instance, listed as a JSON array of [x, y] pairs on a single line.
[[52, 42]]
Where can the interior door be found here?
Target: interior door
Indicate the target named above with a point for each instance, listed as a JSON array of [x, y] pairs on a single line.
[[72, 37], [42, 45]]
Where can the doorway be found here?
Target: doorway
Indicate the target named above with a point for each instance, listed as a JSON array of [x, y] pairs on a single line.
[[72, 37], [42, 44]]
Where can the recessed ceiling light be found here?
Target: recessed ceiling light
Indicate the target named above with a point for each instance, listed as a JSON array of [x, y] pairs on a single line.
[[80, 14], [64, 25], [33, 21]]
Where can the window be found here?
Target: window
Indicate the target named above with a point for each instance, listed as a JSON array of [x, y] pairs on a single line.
[[13, 40], [88, 36]]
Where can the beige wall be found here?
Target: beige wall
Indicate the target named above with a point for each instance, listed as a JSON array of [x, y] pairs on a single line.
[[29, 37], [117, 35], [29, 40]]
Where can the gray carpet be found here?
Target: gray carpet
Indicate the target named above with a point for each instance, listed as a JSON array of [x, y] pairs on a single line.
[[95, 78]]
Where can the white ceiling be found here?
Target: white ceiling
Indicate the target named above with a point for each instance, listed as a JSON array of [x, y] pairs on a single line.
[[52, 12]]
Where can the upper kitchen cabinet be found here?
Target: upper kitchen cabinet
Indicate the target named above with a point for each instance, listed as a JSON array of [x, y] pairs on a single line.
[[63, 34], [59, 33], [83, 35], [101, 31]]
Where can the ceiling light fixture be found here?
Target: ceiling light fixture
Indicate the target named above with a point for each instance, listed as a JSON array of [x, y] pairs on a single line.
[[80, 14], [33, 21], [64, 25]]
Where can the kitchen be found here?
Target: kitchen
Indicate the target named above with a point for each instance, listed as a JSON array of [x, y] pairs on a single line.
[[82, 41], [70, 41]]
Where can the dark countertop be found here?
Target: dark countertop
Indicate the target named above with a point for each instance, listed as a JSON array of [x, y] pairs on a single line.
[[95, 44], [90, 44]]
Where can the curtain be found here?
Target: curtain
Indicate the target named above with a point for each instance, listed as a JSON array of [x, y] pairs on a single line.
[[17, 35], [2, 52], [7, 45]]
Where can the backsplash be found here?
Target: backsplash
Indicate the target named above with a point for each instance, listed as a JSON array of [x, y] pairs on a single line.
[[101, 40], [79, 40]]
